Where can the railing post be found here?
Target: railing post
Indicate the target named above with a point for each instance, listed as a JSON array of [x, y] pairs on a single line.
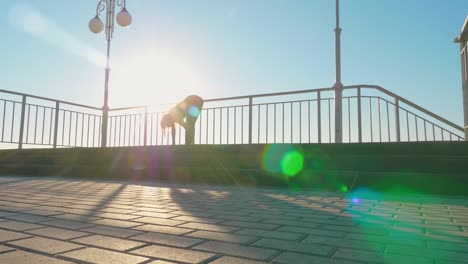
[[23, 110], [319, 118], [145, 134], [250, 119], [397, 119], [105, 115], [359, 114], [57, 107]]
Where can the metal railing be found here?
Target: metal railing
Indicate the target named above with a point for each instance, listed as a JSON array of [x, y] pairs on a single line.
[[35, 120], [370, 114]]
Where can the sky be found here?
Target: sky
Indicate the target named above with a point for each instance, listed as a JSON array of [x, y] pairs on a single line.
[[228, 48]]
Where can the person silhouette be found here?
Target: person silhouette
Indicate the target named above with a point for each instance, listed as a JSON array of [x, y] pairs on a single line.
[[189, 109]]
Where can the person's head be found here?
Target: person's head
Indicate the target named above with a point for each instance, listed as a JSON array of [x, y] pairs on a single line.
[[166, 121]]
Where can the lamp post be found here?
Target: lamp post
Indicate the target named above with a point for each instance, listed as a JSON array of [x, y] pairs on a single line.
[[96, 25], [338, 87], [463, 40]]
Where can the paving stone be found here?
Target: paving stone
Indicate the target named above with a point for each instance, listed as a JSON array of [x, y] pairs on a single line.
[[108, 242], [29, 218], [95, 255], [112, 231], [116, 223], [76, 217], [296, 258], [161, 262], [4, 249], [270, 234], [42, 212], [189, 218], [154, 214], [429, 253], [367, 256], [174, 254], [117, 216], [164, 229], [18, 226], [250, 225], [170, 240], [11, 235], [23, 257], [226, 237], [234, 260], [236, 250], [50, 246], [285, 245], [68, 224], [312, 231], [58, 233], [159, 221], [5, 213], [210, 227]]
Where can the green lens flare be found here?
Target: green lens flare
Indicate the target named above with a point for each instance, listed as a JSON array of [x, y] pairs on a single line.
[[292, 163]]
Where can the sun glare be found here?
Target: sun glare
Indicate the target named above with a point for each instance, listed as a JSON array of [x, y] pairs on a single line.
[[154, 77]]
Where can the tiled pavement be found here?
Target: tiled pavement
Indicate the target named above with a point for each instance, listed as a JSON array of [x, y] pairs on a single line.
[[45, 220]]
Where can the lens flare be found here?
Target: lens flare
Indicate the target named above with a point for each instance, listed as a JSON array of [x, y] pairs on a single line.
[[193, 111], [292, 163], [344, 188]]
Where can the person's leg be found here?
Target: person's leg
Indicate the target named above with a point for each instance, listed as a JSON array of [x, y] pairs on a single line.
[[190, 130]]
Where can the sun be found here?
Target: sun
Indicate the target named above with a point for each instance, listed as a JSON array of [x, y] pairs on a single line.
[[153, 77]]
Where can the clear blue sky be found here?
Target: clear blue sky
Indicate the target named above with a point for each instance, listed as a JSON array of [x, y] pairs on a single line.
[[234, 47]]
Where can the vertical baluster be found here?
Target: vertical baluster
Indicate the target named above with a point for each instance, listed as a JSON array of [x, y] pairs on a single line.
[[139, 130], [82, 128], [235, 121], [43, 125], [27, 124], [94, 130], [220, 125], [134, 130], [20, 140], [283, 123], [250, 119], [50, 126], [23, 112], [99, 131], [274, 123], [151, 128], [258, 124], [124, 136], [407, 127], [442, 133], [266, 125], [388, 124], [242, 125], [63, 128], [425, 134], [227, 126], [57, 109], [35, 125], [291, 104], [145, 127], [349, 120], [76, 129], [3, 119], [214, 124], [207, 130], [319, 117], [359, 109], [329, 121], [370, 116], [380, 124], [416, 123], [308, 120], [433, 133], [397, 120], [300, 122]]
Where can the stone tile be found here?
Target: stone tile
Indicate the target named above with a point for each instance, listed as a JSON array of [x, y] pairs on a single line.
[[29, 218], [112, 231], [210, 227], [108, 242], [117, 216], [23, 257], [116, 223], [164, 229], [255, 225], [159, 221], [169, 240], [296, 258], [42, 212], [236, 250], [76, 217], [68, 224], [50, 246], [4, 249], [189, 218], [11, 235], [285, 245], [226, 237], [95, 255], [367, 256], [270, 234], [161, 262], [339, 242], [234, 260], [58, 233], [174, 254], [18, 226], [5, 213], [429, 253], [312, 231], [154, 214]]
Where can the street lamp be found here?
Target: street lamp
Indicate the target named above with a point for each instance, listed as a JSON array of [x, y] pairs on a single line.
[[96, 25], [338, 87]]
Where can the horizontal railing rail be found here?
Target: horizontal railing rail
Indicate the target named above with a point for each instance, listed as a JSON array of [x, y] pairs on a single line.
[[370, 114]]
